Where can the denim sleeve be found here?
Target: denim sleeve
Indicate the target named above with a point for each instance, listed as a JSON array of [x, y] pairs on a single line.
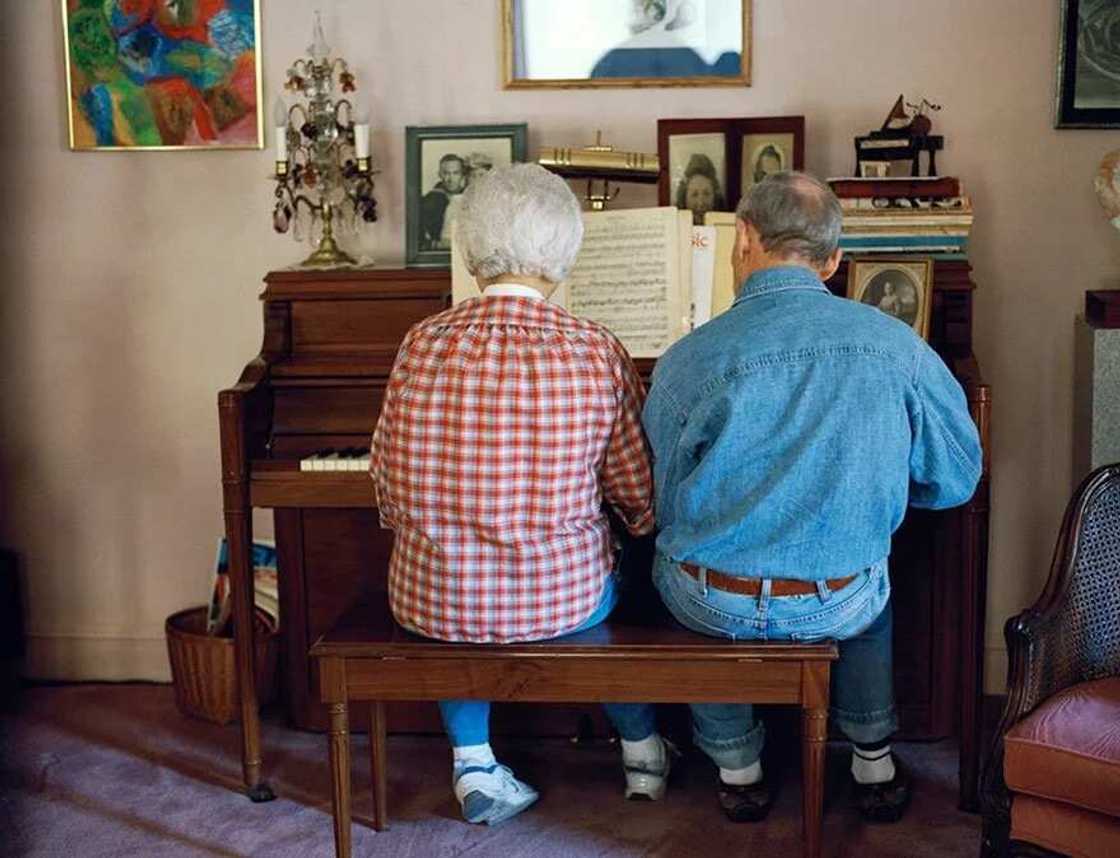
[[662, 423], [945, 455]]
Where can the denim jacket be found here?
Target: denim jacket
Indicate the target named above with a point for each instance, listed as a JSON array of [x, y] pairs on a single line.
[[790, 433]]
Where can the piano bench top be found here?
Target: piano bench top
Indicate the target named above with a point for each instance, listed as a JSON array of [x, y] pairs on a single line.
[[368, 630]]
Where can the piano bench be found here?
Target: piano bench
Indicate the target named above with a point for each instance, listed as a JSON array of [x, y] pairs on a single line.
[[367, 658]]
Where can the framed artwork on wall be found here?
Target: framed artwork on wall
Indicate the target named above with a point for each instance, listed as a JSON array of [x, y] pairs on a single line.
[[1088, 93], [163, 76], [708, 164], [589, 43], [440, 162], [898, 286]]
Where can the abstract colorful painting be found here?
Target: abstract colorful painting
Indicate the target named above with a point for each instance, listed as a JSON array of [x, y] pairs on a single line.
[[163, 74]]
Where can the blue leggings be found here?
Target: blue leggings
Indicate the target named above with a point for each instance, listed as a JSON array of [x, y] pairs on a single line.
[[468, 721]]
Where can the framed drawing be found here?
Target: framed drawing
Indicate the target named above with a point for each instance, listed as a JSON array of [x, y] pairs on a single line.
[[899, 286], [708, 164], [440, 162], [167, 76], [1088, 93], [623, 44]]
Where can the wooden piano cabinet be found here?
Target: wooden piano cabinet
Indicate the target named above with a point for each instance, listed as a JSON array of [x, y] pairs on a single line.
[[328, 346], [329, 343]]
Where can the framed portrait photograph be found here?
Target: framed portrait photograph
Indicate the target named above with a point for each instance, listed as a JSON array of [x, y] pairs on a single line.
[[1088, 92], [164, 76], [708, 164], [899, 286], [440, 162], [625, 43]]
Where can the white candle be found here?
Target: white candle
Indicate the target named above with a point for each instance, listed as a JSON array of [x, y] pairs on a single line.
[[361, 133], [280, 121]]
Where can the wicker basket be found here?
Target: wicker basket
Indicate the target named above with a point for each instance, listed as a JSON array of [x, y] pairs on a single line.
[[204, 670]]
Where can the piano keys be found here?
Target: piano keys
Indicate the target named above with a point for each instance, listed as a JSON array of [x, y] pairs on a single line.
[[327, 459]]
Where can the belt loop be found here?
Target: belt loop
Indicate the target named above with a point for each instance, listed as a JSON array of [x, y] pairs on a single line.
[[702, 579], [764, 596], [823, 591]]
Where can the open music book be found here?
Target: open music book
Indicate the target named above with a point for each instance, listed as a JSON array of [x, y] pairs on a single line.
[[647, 275]]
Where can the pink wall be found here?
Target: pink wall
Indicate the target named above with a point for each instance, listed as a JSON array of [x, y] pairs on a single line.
[[132, 277]]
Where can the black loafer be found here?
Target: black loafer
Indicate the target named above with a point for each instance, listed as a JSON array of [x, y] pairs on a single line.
[[887, 801], [748, 803]]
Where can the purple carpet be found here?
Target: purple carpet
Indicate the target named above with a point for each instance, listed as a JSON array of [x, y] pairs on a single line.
[[115, 770]]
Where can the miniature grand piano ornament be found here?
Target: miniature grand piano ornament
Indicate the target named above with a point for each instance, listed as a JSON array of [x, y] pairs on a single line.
[[601, 162], [903, 137]]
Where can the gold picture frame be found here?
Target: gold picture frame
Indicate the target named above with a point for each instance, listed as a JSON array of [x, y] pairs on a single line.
[[163, 85], [900, 286], [615, 75]]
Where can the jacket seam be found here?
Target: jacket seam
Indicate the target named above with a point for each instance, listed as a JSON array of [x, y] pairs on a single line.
[[746, 368]]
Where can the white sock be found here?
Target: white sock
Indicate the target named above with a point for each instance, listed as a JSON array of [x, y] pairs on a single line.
[[752, 774], [647, 750], [872, 767], [473, 755]]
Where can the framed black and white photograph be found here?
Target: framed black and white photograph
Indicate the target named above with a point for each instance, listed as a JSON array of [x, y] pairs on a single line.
[[708, 164], [901, 287], [1088, 94], [697, 171], [440, 163], [591, 43]]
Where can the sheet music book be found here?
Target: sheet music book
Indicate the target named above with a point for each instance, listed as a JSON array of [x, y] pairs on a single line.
[[644, 274]]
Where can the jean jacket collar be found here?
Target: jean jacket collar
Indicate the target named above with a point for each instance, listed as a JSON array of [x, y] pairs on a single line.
[[779, 279]]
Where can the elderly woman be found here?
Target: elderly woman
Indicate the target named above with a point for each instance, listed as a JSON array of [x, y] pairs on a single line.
[[505, 425]]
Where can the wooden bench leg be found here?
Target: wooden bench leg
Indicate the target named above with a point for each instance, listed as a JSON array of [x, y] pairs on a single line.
[[377, 766], [814, 729], [339, 740]]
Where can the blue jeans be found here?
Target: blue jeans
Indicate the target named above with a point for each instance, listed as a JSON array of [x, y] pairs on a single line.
[[858, 617], [468, 721]]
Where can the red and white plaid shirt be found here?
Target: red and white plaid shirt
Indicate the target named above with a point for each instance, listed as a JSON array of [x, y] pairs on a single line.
[[505, 424]]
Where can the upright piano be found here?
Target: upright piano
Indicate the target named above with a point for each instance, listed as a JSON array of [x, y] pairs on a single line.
[[330, 338]]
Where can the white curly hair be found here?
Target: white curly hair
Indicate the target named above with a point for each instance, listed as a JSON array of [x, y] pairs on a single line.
[[519, 220]]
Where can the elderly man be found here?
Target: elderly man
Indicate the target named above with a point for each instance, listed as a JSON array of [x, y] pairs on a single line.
[[789, 434], [506, 424]]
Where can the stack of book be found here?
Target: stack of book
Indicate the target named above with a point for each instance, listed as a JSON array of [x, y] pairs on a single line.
[[266, 590], [915, 214]]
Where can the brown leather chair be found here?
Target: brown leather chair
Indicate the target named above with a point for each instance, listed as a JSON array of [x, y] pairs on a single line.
[[1051, 784]]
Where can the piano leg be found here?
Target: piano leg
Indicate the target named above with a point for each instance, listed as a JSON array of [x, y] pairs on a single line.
[[239, 533]]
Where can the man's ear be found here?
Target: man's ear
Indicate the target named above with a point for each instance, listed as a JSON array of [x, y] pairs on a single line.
[[743, 241], [829, 267]]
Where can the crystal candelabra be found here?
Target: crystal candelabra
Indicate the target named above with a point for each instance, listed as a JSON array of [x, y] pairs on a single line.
[[322, 155]]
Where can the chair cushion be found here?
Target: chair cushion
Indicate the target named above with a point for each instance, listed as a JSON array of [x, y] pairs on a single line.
[[1063, 828], [1068, 749]]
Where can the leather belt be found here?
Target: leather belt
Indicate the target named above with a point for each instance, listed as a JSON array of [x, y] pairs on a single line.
[[753, 586]]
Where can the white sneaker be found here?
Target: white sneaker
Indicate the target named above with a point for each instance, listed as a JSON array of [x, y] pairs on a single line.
[[647, 779], [491, 794]]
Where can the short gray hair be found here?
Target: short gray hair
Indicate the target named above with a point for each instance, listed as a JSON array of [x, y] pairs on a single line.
[[519, 219], [796, 215]]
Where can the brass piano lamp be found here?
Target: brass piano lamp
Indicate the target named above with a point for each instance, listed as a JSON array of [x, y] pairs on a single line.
[[322, 162], [603, 163]]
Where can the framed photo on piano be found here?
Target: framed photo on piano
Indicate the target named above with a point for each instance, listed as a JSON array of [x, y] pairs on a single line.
[[708, 164], [440, 163], [898, 286]]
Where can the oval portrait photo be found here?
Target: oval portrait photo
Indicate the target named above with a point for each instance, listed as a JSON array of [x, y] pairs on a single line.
[[896, 293]]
